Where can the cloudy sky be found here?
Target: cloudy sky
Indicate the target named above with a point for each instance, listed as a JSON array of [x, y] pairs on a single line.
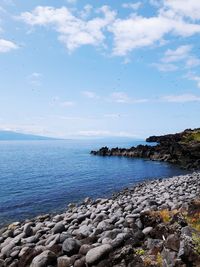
[[99, 68]]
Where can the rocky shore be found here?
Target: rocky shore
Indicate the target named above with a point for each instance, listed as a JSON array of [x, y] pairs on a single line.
[[155, 223], [182, 149]]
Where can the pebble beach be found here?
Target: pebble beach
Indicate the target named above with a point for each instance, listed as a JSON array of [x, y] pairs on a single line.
[[124, 230]]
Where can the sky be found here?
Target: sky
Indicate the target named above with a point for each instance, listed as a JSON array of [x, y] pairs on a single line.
[[85, 68]]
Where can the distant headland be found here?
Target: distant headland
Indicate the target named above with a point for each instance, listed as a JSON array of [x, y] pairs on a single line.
[[15, 136], [182, 149]]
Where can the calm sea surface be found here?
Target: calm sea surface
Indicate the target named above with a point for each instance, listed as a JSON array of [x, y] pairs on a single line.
[[38, 177]]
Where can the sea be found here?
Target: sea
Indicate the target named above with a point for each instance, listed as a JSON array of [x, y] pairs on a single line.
[[39, 177]]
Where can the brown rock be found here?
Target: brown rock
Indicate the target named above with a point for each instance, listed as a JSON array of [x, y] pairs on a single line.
[[63, 261]]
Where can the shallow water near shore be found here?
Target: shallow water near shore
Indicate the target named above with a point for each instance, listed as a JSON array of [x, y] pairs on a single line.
[[38, 177]]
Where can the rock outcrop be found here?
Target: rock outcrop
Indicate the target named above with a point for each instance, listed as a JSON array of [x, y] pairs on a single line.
[[182, 149]]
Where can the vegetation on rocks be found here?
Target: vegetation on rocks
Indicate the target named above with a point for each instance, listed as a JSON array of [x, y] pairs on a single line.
[[191, 136]]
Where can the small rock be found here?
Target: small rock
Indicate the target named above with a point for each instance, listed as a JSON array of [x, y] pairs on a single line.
[[147, 230]]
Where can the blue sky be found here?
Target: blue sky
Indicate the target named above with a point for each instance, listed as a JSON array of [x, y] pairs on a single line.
[[99, 68]]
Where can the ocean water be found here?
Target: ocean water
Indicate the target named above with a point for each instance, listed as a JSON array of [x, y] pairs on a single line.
[[38, 177]]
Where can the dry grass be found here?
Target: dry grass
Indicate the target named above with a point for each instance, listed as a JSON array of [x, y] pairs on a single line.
[[165, 215], [194, 221]]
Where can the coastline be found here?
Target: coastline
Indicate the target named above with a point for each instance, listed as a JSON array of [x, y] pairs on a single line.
[[181, 149], [98, 231]]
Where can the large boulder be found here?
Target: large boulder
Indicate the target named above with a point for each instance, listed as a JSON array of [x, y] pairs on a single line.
[[58, 228], [96, 254], [71, 246], [44, 259], [28, 230]]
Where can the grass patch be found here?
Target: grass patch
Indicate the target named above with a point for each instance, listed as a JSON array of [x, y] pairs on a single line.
[[196, 242], [194, 221], [195, 136], [165, 215], [139, 252], [159, 259]]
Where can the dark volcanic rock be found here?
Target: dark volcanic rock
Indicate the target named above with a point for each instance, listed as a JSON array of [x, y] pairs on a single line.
[[182, 149], [71, 246]]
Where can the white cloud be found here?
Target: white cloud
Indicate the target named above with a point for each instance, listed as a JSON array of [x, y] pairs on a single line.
[[137, 32], [90, 94], [156, 3], [165, 67], [67, 104], [120, 97], [73, 31], [112, 116], [181, 54], [186, 8], [123, 98], [105, 133], [57, 101], [192, 61], [178, 54], [35, 78], [134, 6], [7, 46], [181, 98], [195, 78], [86, 12], [36, 75]]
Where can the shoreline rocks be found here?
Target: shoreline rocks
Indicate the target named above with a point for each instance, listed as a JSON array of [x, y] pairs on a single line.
[[181, 149], [155, 223]]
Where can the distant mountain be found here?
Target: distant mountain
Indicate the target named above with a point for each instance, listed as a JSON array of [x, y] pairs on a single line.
[[9, 135]]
